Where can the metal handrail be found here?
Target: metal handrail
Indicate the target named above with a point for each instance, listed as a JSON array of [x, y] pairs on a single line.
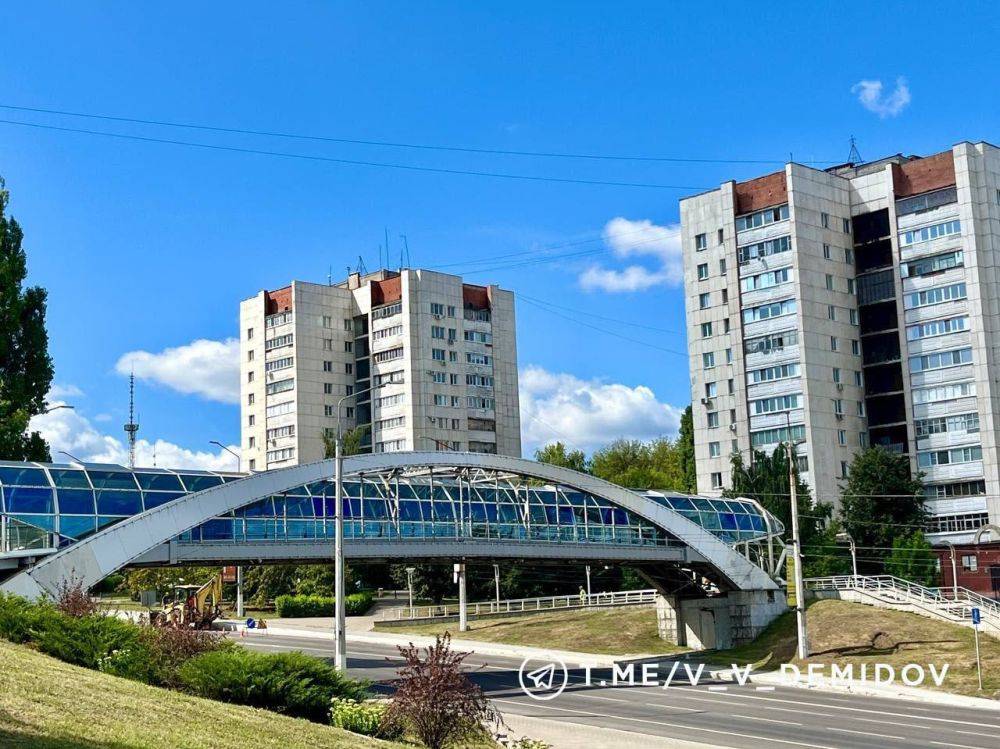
[[945, 597], [521, 605]]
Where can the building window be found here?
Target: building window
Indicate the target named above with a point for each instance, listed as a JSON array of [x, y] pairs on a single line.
[[713, 419], [725, 325], [969, 563], [276, 364], [775, 403], [277, 342], [829, 282], [700, 242], [722, 267], [379, 357], [439, 378], [706, 329], [853, 313], [251, 420], [928, 266], [777, 372], [763, 249], [285, 453], [858, 379], [249, 333], [847, 225], [327, 366], [348, 368], [851, 286], [704, 300], [826, 251], [729, 356], [711, 389], [824, 219], [725, 295], [328, 344], [969, 454], [941, 360], [836, 374], [437, 331], [437, 309], [250, 376], [703, 271], [722, 236], [437, 354], [844, 470], [767, 311], [708, 359], [451, 310], [856, 347], [281, 386], [714, 451], [250, 355], [841, 437], [327, 388], [716, 480], [249, 399], [731, 385], [474, 357], [838, 406], [766, 280], [833, 343], [253, 464], [762, 218], [927, 233], [849, 256], [831, 312], [937, 327]]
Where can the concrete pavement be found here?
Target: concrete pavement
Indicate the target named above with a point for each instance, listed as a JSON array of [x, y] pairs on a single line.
[[740, 717]]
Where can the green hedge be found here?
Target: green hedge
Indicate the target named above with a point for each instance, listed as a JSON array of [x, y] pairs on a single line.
[[291, 683], [288, 607]]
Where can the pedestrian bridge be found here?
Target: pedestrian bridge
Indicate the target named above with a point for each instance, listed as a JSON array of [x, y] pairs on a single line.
[[85, 521]]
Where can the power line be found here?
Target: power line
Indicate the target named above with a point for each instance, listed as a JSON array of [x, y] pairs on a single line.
[[396, 144], [602, 317], [351, 162]]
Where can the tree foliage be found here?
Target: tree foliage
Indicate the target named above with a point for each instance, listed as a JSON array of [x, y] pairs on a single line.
[[685, 447], [350, 441], [912, 559], [432, 581], [556, 454], [640, 465], [25, 365], [880, 501]]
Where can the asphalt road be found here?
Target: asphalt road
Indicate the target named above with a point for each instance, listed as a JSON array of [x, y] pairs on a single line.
[[741, 717]]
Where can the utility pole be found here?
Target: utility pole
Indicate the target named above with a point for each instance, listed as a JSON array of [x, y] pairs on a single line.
[[463, 614], [340, 610], [239, 568], [954, 571], [800, 594]]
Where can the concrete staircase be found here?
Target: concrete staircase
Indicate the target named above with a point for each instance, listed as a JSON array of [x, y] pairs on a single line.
[[885, 591]]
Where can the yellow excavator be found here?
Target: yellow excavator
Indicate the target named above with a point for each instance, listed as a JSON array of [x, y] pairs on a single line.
[[190, 606]]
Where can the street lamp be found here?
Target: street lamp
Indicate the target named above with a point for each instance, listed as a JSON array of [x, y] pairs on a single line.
[[339, 623], [70, 456], [845, 538], [409, 585], [954, 571], [50, 409], [800, 597], [239, 567], [239, 461]]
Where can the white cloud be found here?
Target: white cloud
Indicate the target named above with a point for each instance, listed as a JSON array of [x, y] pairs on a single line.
[[57, 392], [210, 369], [67, 429], [586, 414], [641, 238], [871, 98]]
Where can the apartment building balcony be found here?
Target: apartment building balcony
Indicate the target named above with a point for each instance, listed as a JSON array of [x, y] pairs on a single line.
[[953, 472], [773, 357], [958, 373]]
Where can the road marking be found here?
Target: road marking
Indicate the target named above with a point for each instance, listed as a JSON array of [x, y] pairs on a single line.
[[956, 746], [674, 707], [717, 689], [682, 726], [763, 689], [766, 720], [858, 710], [868, 733]]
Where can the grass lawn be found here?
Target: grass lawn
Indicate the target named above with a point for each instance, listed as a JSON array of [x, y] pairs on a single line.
[[842, 632], [614, 631], [47, 704]]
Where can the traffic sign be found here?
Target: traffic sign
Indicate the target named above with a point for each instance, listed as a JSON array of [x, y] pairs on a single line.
[[976, 618]]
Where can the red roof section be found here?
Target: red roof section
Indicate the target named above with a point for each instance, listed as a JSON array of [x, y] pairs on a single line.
[[923, 175], [475, 297], [278, 300], [762, 192], [384, 292]]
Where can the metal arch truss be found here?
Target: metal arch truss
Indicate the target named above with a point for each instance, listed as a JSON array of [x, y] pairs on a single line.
[[182, 530]]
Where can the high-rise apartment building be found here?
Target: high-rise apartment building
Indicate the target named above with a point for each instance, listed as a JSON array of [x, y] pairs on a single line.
[[851, 306], [439, 353]]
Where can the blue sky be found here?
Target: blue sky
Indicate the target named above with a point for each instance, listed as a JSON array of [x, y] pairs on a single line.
[[148, 247]]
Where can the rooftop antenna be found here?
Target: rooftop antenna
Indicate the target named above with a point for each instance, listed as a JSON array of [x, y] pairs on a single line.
[[329, 276], [386, 229], [406, 247], [855, 157], [362, 268], [132, 426], [154, 455], [380, 265]]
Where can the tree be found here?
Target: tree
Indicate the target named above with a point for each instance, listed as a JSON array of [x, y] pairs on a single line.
[[912, 559], [640, 465], [25, 365], [350, 441], [685, 449], [162, 579], [880, 502], [555, 453], [433, 581]]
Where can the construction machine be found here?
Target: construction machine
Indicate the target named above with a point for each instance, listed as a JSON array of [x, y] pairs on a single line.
[[190, 606]]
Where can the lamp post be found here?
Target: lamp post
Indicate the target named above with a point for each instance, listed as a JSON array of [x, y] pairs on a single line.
[[954, 571], [339, 623], [50, 409], [409, 585], [800, 597], [70, 456], [239, 568], [844, 537]]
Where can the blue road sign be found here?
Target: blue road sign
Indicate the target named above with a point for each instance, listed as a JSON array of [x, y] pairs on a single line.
[[975, 616]]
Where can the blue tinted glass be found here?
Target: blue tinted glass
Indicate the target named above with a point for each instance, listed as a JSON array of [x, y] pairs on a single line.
[[621, 517], [104, 522], [112, 480], [680, 503], [155, 499], [22, 475], [479, 512], [298, 507], [77, 526], [743, 521], [75, 501], [298, 491], [728, 520], [197, 483], [566, 516], [119, 503], [165, 481], [45, 522], [443, 511], [217, 530], [28, 499], [409, 510], [702, 504], [69, 479]]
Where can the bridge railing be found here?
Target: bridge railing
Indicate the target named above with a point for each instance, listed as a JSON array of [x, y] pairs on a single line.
[[16, 535], [520, 605], [958, 596]]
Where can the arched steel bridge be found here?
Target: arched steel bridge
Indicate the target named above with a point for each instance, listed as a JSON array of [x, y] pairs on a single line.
[[430, 506]]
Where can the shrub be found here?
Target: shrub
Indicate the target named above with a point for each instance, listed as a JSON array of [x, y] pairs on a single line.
[[437, 700], [369, 718], [298, 606], [82, 641], [73, 599], [291, 683], [16, 617], [158, 653]]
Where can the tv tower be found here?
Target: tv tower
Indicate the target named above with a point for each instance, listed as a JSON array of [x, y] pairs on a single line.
[[132, 426]]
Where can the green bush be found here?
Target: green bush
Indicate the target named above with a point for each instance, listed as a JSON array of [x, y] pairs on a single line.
[[291, 683], [158, 653], [82, 641], [16, 617], [368, 718], [299, 606]]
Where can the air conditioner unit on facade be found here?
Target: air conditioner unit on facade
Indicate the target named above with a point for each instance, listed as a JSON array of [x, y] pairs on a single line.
[[732, 427], [840, 386]]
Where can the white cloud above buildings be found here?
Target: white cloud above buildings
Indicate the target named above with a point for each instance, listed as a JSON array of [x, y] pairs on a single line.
[[209, 369], [872, 97], [633, 239], [71, 431], [586, 414]]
